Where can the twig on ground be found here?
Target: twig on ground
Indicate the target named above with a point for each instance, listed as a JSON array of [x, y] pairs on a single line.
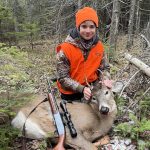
[[129, 82]]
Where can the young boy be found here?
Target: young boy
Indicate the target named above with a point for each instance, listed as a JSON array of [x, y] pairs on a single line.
[[80, 57]]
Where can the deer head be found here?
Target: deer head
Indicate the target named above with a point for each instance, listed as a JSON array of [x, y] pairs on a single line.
[[104, 96]]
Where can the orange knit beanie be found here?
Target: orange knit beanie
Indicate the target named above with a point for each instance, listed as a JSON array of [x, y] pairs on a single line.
[[84, 14]]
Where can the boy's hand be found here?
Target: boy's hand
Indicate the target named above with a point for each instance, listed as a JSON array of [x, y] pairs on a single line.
[[87, 93]]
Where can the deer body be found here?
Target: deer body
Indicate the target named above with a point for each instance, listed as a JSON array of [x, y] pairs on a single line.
[[88, 120]]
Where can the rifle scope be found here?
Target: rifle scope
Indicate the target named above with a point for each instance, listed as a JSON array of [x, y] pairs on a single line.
[[67, 116]]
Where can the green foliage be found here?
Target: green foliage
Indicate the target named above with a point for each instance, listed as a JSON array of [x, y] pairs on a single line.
[[124, 129], [13, 26], [143, 144], [43, 145], [8, 111], [113, 70], [106, 47], [110, 51], [134, 129], [18, 99], [4, 13], [31, 30], [7, 135], [120, 103], [6, 24], [14, 69], [18, 12], [144, 105]]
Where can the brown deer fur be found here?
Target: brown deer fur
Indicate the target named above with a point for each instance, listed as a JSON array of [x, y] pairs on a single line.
[[87, 119]]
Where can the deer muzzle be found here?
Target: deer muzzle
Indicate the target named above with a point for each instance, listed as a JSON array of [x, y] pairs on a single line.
[[104, 110]]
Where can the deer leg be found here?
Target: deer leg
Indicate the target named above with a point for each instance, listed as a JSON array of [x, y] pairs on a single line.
[[95, 136], [80, 143], [101, 130]]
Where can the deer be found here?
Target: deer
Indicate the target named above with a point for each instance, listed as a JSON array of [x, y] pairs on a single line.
[[92, 120]]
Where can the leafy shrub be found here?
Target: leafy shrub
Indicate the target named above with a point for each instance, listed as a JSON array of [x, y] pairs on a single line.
[[7, 135], [14, 68], [120, 104], [144, 105], [143, 144], [134, 129]]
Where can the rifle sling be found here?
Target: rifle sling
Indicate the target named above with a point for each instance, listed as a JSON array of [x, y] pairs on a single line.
[[24, 130]]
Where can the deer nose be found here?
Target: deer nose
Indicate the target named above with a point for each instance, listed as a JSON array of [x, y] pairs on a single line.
[[104, 110]]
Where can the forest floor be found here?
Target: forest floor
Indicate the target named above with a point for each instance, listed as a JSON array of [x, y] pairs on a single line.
[[131, 129]]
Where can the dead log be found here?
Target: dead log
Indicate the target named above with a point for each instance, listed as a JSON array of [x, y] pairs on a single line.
[[138, 63]]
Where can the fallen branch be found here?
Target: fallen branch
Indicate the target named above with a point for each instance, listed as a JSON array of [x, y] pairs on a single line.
[[128, 82], [139, 98], [148, 42], [138, 63]]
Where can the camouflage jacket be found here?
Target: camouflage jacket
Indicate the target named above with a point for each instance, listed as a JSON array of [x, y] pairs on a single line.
[[63, 67]]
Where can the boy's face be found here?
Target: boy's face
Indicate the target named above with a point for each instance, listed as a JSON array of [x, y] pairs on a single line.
[[87, 30]]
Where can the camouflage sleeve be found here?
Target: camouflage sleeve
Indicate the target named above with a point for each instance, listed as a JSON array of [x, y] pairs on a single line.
[[63, 75], [104, 64], [104, 67]]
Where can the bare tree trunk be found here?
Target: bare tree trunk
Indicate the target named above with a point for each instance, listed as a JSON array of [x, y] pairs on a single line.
[[29, 11], [95, 4], [137, 17], [131, 24], [1, 31], [79, 4], [114, 29], [58, 21], [146, 40], [146, 37], [148, 31], [59, 32]]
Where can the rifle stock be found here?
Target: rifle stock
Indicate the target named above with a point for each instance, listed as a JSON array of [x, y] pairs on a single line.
[[60, 145], [57, 119]]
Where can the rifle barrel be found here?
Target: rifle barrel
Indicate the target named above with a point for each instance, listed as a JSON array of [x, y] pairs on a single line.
[[57, 118]]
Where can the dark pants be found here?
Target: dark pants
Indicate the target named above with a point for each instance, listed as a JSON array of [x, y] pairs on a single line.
[[72, 97]]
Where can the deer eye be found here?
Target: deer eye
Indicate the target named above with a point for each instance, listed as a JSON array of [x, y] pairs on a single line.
[[106, 93], [94, 98]]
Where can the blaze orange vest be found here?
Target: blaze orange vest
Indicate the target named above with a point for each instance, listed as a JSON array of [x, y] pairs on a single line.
[[81, 69]]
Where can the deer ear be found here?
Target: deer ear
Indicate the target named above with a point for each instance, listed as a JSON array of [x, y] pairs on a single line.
[[117, 87]]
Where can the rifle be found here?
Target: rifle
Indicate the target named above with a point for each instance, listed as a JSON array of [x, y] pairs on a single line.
[[67, 117], [57, 118]]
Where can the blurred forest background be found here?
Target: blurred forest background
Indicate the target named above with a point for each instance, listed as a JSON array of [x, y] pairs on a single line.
[[29, 33]]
